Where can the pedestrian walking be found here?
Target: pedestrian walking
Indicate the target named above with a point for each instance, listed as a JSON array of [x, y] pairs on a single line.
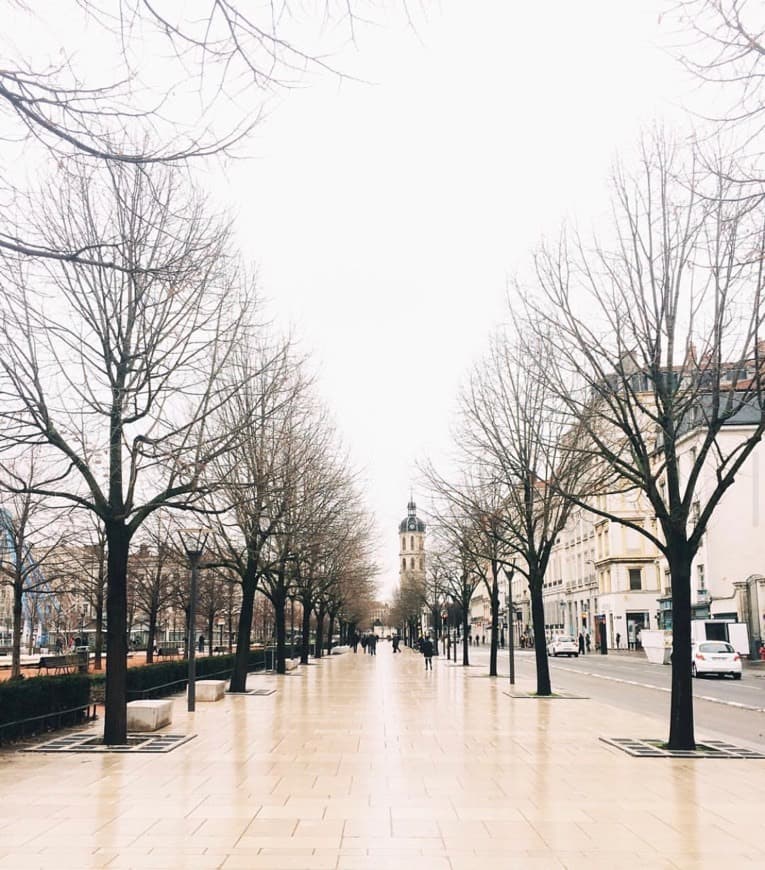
[[618, 639], [372, 644], [396, 642], [581, 643], [588, 641], [201, 643], [427, 651], [355, 641], [364, 643]]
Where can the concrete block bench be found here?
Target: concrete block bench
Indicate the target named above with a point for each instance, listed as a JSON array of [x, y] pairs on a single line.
[[210, 690], [340, 649], [149, 715]]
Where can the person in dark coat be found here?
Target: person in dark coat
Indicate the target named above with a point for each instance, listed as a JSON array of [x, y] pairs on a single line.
[[427, 651], [396, 642], [372, 644], [581, 643]]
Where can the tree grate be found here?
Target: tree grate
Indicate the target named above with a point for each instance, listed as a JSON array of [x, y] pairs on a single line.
[[263, 691], [639, 747], [86, 741]]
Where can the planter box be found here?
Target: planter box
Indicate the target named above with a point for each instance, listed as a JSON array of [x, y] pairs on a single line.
[[657, 646], [210, 690], [148, 715]]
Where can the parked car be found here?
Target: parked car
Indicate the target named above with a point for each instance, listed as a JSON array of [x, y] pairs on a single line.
[[563, 645], [715, 657]]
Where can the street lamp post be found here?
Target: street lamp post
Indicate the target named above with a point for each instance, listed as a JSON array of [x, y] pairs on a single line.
[[510, 622], [193, 541]]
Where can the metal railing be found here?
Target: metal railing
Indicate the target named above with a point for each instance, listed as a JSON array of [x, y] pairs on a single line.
[[53, 716]]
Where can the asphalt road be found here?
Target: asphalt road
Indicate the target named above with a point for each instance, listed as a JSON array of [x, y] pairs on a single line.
[[723, 708]]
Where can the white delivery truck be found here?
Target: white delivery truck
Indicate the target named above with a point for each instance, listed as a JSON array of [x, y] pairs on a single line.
[[735, 633]]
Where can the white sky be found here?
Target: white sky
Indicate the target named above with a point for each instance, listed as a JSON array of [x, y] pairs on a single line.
[[385, 218]]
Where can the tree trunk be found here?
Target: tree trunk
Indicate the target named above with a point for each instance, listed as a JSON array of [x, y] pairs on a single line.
[[681, 729], [115, 717], [494, 627], [306, 631], [99, 639], [320, 632], [210, 632], [241, 660], [465, 638], [18, 592], [330, 631], [544, 687], [152, 636], [280, 615]]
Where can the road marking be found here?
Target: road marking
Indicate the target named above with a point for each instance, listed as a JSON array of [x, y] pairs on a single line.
[[664, 689]]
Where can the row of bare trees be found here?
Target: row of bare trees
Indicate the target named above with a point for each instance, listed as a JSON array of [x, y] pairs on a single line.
[[128, 393], [632, 363], [128, 323]]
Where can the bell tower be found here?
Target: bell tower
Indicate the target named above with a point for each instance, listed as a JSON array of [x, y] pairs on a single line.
[[411, 538]]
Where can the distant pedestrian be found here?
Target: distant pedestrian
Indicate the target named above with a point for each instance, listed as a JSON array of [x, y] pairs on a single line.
[[396, 642], [483, 639], [59, 645], [364, 643], [427, 651], [355, 641], [372, 644], [581, 643], [587, 641], [618, 639], [201, 643]]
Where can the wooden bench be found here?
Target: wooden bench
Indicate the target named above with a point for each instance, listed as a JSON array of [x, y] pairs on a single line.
[[168, 652], [66, 663]]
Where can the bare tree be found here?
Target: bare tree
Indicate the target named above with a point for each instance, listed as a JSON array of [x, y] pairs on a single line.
[[114, 373], [181, 84], [483, 506], [154, 568], [656, 347], [723, 46], [515, 434], [31, 539], [250, 503], [453, 558]]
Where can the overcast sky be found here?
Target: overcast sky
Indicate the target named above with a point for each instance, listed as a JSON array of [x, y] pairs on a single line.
[[385, 218]]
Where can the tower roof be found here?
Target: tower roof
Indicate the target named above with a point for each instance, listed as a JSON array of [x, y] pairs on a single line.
[[411, 522]]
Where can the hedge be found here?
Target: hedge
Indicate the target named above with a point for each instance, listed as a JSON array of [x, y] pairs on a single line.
[[164, 678], [41, 696]]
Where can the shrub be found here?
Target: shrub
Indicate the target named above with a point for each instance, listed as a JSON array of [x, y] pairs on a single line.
[[41, 696], [167, 678]]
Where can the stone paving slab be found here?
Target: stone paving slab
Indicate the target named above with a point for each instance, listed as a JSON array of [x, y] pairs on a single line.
[[370, 762]]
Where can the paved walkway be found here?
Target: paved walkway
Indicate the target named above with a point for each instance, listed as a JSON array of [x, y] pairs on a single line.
[[369, 762]]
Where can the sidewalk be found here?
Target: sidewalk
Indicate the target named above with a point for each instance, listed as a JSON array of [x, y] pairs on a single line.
[[369, 762]]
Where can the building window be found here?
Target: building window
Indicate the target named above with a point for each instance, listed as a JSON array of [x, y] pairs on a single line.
[[422, 564], [411, 563], [403, 543], [403, 564], [636, 579], [700, 577], [421, 542], [411, 542]]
